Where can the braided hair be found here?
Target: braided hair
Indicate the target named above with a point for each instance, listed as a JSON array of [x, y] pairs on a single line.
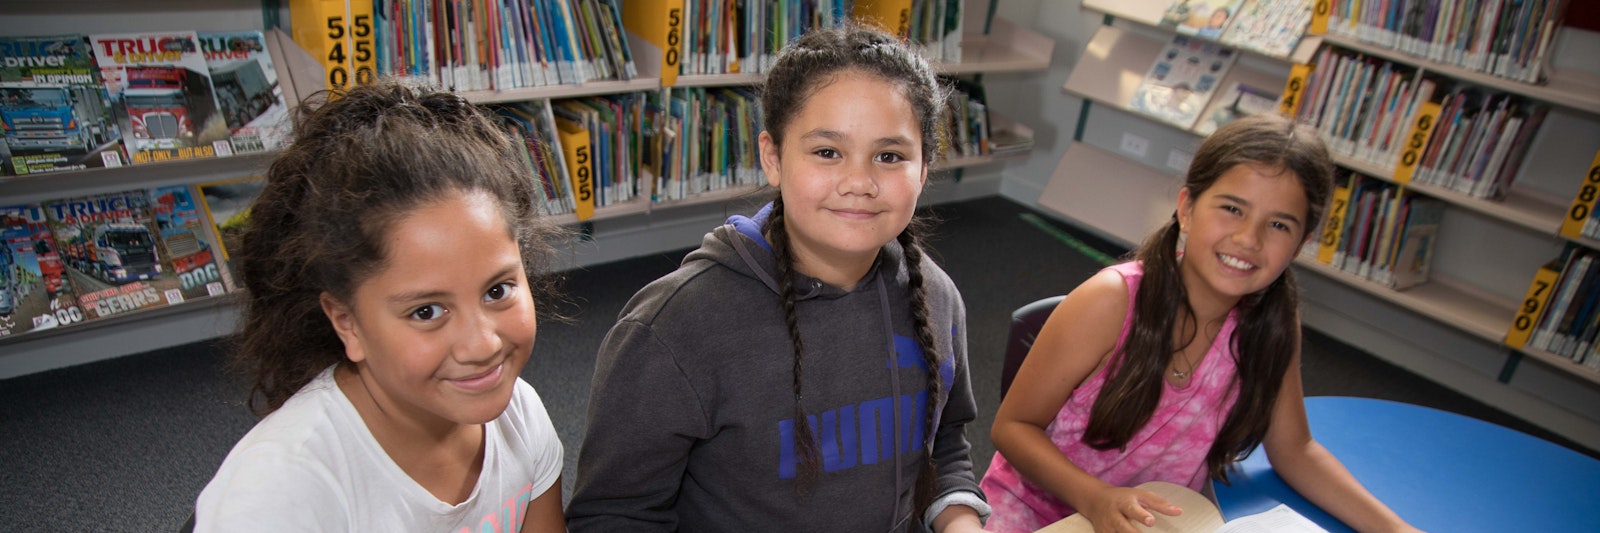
[[801, 69]]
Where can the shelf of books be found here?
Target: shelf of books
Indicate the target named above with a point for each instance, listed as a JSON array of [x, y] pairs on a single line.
[[1469, 153], [131, 213]]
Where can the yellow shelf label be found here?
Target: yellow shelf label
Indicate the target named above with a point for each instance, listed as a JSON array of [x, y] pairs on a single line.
[[1416, 141], [1293, 90], [580, 166], [1583, 203], [339, 34], [1533, 305], [1331, 228], [1321, 10]]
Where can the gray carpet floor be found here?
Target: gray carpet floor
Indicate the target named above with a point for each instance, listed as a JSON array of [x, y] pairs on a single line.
[[127, 444]]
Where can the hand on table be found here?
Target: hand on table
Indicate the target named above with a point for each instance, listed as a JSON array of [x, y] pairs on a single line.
[[1117, 509]]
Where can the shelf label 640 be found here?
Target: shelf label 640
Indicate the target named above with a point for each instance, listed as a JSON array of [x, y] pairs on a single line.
[[1293, 90]]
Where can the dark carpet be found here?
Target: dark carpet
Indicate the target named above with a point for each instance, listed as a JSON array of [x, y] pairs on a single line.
[[127, 444]]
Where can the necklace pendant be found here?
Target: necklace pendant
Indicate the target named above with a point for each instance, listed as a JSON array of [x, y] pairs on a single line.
[[1179, 374]]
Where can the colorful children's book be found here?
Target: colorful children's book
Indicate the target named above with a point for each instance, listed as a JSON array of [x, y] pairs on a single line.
[[57, 114], [163, 96], [1182, 80], [1272, 27], [35, 291], [247, 90], [109, 243], [1206, 19], [1238, 101], [227, 205]]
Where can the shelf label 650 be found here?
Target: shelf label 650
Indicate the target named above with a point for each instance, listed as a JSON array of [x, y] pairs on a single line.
[[1416, 141], [1320, 11], [1583, 203]]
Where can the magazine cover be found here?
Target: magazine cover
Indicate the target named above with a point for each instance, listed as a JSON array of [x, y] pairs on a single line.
[[56, 113], [1204, 18], [1272, 27], [247, 90], [109, 245], [185, 243], [227, 206], [1182, 79], [1238, 101], [162, 94], [35, 293]]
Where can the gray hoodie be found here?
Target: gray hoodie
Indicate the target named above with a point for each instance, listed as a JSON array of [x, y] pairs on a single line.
[[691, 416]]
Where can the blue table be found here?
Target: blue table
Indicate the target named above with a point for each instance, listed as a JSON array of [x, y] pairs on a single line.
[[1440, 471]]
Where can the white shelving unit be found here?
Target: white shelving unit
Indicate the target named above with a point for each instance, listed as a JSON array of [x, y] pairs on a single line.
[[1007, 48], [1488, 251]]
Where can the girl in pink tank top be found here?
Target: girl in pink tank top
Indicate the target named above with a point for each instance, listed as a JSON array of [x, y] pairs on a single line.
[[1175, 365]]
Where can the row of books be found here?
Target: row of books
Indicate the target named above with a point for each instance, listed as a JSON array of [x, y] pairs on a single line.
[[1378, 231], [71, 102], [1366, 107], [1565, 297], [471, 45], [1271, 27], [1505, 38], [674, 143], [75, 260]]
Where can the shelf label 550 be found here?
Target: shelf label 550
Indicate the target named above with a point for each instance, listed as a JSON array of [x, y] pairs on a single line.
[[340, 61]]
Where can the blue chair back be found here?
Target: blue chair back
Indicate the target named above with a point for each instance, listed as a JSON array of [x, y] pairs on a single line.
[[1025, 324]]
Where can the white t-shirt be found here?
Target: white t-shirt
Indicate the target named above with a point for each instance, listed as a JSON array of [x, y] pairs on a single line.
[[312, 465]]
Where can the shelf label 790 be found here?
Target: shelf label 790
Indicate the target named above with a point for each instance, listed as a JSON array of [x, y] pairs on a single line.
[[1583, 204], [1416, 141], [1532, 306], [1294, 90]]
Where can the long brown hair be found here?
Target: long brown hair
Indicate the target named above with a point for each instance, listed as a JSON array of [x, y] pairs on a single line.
[[1269, 322], [360, 161], [803, 67]]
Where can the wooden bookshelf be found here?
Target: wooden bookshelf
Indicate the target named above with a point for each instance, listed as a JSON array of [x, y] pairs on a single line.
[[1569, 88], [592, 88], [1007, 48]]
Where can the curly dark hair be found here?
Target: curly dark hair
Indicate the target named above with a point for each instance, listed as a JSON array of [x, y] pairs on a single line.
[[360, 161]]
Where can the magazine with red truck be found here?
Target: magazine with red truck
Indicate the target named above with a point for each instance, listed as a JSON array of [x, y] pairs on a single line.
[[35, 293], [55, 113], [163, 97]]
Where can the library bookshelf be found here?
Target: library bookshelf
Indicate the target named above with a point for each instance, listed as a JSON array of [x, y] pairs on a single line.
[[1488, 248], [1006, 47]]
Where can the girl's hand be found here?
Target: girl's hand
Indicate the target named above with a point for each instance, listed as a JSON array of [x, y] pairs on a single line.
[[1117, 509]]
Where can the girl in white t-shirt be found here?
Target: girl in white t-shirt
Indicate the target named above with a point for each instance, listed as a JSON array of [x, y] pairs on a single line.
[[390, 262]]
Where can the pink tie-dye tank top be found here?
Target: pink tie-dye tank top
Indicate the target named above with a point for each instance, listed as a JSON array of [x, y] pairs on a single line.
[[1172, 447]]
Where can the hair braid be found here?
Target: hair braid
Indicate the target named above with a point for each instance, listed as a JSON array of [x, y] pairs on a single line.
[[927, 477], [805, 444]]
